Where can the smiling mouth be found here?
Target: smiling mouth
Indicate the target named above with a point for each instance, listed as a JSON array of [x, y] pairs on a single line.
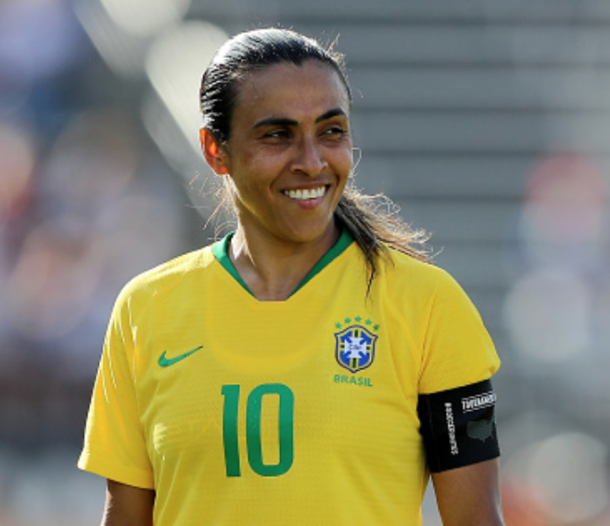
[[304, 194]]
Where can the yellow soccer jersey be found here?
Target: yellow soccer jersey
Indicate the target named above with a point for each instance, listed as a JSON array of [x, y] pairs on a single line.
[[299, 412]]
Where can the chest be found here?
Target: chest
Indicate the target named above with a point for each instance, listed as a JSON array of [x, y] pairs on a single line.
[[273, 386]]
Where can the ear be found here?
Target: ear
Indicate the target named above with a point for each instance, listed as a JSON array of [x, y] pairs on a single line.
[[213, 152]]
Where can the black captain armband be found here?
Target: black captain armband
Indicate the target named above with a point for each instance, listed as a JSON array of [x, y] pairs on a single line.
[[459, 426]]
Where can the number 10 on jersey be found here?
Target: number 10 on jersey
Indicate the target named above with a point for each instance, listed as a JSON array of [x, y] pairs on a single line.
[[254, 408]]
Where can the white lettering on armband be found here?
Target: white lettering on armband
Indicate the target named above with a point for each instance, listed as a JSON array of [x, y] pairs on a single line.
[[451, 429], [478, 402]]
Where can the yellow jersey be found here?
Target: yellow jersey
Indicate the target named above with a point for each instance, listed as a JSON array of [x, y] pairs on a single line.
[[298, 412]]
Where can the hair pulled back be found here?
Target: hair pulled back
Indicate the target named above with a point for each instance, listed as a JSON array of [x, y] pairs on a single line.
[[253, 51], [369, 219]]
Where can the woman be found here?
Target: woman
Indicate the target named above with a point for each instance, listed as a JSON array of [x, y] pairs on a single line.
[[311, 368]]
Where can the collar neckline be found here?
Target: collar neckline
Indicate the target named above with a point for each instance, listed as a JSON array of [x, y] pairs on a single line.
[[220, 249]]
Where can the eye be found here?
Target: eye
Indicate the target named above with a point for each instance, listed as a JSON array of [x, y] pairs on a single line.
[[335, 132], [277, 134]]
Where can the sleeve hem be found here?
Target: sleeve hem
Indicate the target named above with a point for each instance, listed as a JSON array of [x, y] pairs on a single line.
[[122, 474]]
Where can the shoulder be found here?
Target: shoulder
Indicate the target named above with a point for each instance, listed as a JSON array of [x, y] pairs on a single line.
[[165, 276], [418, 285], [401, 267]]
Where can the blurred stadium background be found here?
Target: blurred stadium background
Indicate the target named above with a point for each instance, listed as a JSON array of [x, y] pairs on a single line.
[[488, 122]]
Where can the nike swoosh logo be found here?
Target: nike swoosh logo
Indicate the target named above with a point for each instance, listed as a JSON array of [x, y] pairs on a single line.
[[166, 362]]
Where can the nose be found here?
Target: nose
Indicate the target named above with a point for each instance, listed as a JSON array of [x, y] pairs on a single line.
[[309, 159]]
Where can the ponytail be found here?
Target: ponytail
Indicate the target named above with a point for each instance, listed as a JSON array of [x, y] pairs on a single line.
[[375, 225]]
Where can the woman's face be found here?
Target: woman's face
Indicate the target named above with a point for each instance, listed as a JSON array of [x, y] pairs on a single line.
[[290, 151]]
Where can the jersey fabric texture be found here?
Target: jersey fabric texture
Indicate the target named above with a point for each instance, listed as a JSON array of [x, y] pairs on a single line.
[[299, 412]]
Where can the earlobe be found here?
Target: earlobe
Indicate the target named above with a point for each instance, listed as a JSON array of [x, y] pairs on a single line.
[[213, 152]]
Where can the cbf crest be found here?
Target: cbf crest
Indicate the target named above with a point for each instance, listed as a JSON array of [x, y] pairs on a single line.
[[355, 345]]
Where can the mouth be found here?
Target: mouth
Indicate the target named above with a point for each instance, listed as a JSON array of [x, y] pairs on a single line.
[[305, 194]]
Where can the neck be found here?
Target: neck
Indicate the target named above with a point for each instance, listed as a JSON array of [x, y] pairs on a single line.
[[273, 268]]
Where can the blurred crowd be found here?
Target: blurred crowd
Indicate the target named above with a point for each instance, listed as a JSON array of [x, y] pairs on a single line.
[[84, 205], [556, 313]]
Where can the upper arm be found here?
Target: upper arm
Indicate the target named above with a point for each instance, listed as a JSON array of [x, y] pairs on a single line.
[[470, 495], [115, 444], [128, 505]]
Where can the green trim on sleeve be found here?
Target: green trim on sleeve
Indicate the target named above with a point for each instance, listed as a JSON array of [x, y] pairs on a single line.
[[220, 249]]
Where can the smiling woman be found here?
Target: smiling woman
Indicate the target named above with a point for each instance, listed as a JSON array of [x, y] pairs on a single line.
[[287, 162], [222, 89], [310, 368]]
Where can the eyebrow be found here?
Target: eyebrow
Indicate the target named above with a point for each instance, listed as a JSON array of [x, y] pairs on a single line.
[[283, 121]]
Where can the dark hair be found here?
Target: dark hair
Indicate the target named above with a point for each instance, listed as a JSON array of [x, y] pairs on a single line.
[[369, 219], [252, 51]]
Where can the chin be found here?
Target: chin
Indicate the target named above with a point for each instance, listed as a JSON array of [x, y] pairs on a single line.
[[309, 235]]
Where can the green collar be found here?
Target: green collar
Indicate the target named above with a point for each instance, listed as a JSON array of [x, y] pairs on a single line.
[[220, 249]]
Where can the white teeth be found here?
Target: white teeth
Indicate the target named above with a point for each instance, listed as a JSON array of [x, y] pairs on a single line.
[[306, 194]]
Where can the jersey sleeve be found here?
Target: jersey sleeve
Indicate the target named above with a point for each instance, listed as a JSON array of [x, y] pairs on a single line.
[[457, 349], [115, 444], [456, 401]]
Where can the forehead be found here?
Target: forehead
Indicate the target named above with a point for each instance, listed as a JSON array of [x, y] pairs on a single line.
[[288, 89]]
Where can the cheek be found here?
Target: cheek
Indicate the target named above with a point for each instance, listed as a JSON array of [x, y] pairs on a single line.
[[252, 180], [345, 163], [257, 163]]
